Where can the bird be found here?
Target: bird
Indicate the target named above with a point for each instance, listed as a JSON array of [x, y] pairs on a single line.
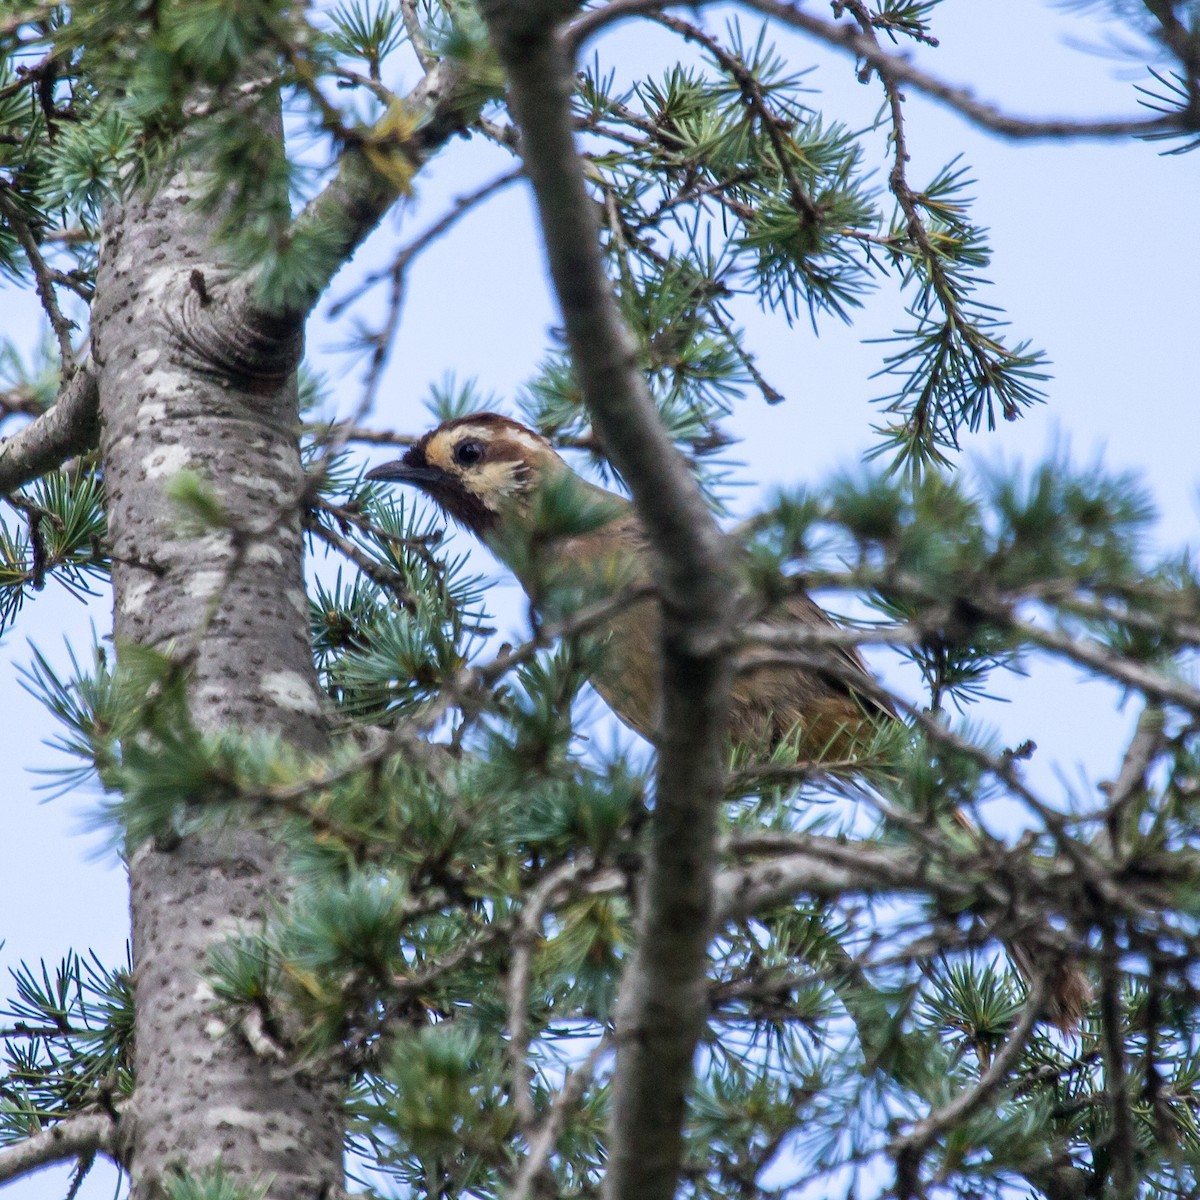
[[489, 473]]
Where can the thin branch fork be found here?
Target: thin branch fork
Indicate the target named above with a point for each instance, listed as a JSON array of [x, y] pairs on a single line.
[[382, 340], [375, 571], [1148, 740]]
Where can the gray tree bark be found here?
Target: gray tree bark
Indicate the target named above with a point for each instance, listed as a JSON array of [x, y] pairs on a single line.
[[185, 383]]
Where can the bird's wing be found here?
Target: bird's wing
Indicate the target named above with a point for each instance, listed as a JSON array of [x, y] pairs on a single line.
[[846, 664]]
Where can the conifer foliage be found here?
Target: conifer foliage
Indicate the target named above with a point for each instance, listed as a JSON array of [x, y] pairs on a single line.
[[399, 926]]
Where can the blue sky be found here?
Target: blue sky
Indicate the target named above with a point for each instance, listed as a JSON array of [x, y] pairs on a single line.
[[1096, 256]]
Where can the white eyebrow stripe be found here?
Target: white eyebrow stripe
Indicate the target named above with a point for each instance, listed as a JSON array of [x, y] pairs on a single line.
[[513, 433]]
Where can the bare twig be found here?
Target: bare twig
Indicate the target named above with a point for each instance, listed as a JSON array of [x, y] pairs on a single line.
[[460, 207], [382, 340], [813, 871], [1183, 627], [351, 514], [383, 94], [1152, 683], [798, 636], [384, 576], [772, 395], [326, 431]]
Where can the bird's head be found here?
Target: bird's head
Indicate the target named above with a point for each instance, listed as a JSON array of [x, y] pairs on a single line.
[[482, 470]]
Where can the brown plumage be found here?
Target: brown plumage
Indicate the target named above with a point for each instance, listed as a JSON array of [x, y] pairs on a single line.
[[486, 471]]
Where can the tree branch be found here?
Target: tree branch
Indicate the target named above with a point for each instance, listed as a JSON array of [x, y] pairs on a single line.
[[897, 68], [542, 1143], [374, 570], [70, 427], [1094, 655], [399, 265], [663, 1002], [1184, 43], [44, 279], [354, 201], [524, 940], [909, 1148], [812, 870], [416, 35], [84, 1133], [1148, 739]]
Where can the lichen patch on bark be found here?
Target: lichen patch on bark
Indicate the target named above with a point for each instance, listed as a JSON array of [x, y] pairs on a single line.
[[289, 690], [166, 460]]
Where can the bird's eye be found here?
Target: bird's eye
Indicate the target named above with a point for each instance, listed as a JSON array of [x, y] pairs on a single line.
[[468, 453]]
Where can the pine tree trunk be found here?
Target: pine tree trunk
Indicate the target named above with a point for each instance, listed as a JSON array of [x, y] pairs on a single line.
[[182, 386]]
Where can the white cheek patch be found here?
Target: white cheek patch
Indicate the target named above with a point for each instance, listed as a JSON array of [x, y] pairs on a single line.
[[496, 480]]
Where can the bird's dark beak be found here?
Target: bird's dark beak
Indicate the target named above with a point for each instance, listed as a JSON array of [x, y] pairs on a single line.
[[402, 471]]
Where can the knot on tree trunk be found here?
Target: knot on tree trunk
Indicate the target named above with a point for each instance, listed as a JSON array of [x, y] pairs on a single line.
[[220, 332]]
